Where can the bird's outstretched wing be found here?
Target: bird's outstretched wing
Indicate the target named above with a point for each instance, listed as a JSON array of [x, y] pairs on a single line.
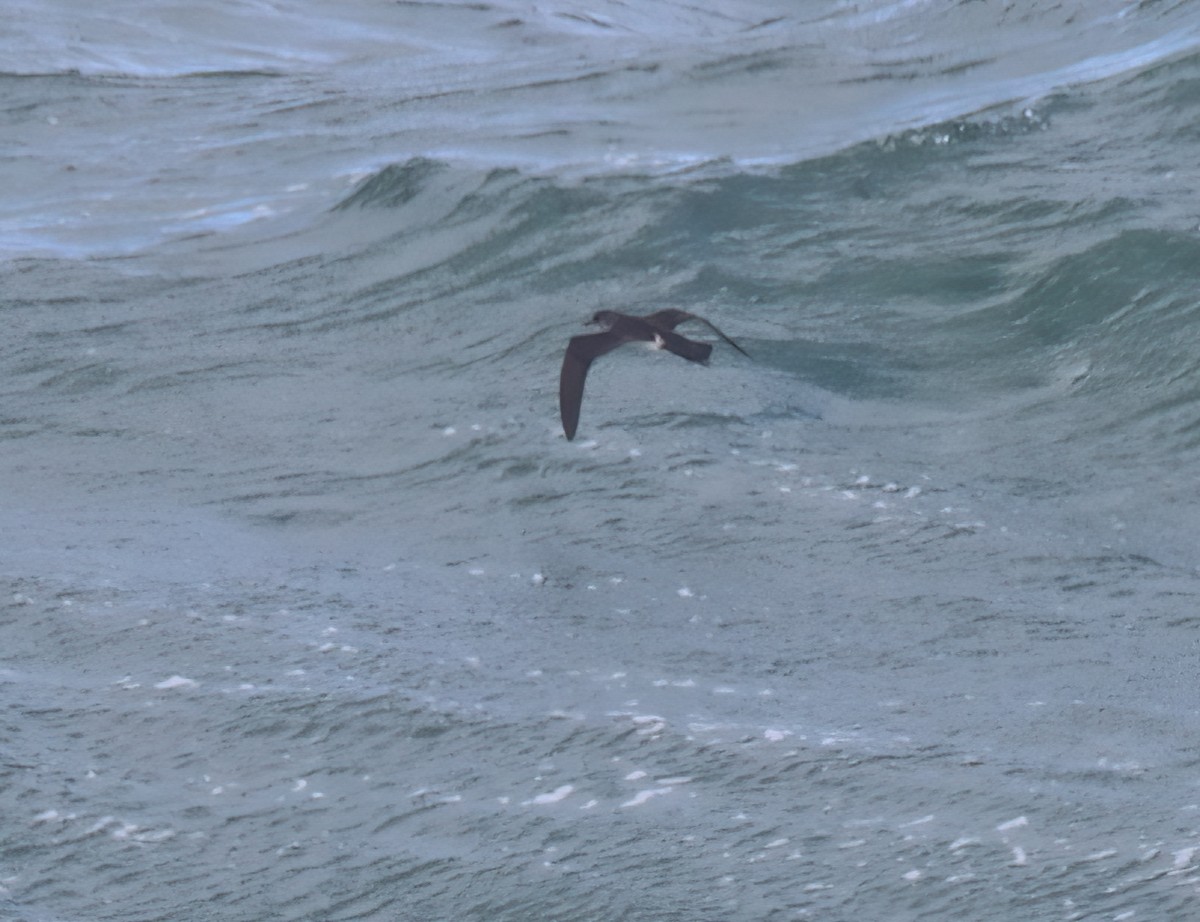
[[671, 317], [683, 347], [581, 352]]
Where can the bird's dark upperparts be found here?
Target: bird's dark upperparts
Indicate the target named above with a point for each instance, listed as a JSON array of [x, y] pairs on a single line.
[[657, 328]]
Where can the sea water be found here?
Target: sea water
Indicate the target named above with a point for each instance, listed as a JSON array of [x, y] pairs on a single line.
[[310, 611]]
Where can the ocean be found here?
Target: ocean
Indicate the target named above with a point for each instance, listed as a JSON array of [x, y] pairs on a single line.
[[311, 611]]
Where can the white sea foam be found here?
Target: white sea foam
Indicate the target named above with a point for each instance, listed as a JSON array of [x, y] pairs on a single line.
[[642, 796], [100, 825], [176, 681], [1184, 857], [553, 797]]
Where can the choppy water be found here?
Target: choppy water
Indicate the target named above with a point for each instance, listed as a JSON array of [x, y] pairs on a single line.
[[311, 612]]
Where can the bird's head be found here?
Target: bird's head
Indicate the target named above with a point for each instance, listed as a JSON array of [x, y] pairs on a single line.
[[604, 318]]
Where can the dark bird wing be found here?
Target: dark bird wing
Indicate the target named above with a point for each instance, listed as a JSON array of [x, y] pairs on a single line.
[[581, 352], [685, 348], [671, 317]]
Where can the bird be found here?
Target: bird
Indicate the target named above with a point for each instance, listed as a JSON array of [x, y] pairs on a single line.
[[657, 328]]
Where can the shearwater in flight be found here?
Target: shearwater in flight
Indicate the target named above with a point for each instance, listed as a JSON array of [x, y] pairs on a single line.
[[657, 328]]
